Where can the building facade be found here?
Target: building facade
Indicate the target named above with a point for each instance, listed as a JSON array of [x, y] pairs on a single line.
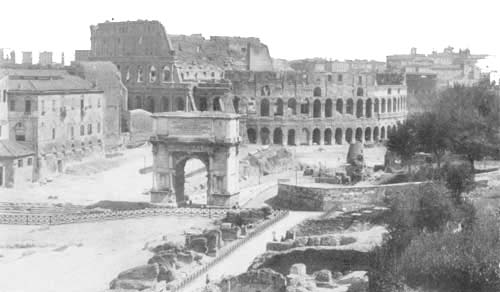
[[59, 116]]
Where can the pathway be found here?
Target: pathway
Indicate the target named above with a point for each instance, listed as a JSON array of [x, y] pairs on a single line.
[[239, 261]]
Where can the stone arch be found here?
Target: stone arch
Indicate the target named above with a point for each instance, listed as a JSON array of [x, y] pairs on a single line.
[[327, 137], [180, 104], [140, 74], [152, 74], [382, 133], [359, 135], [180, 178], [265, 90], [278, 136], [359, 108], [203, 104], [236, 104], [376, 107], [304, 107], [291, 137], [349, 109], [165, 104], [279, 107], [328, 108], [130, 103], [252, 135], [338, 136], [292, 106], [389, 105], [376, 137], [382, 105], [316, 108], [264, 107], [316, 138], [394, 105], [348, 135], [359, 91], [368, 108], [339, 105], [368, 134], [305, 137], [264, 136], [317, 92]]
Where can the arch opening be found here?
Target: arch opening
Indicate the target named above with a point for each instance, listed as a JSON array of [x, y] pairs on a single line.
[[264, 136], [328, 137], [316, 138], [191, 182], [278, 136], [291, 137]]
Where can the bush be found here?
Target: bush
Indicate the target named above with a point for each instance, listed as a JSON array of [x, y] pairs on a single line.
[[459, 178]]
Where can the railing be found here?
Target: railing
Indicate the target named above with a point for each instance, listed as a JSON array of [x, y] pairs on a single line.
[[57, 219], [225, 252]]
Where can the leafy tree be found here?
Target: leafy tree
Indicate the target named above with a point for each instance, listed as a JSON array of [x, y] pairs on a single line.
[[433, 134], [458, 178], [403, 142], [473, 116]]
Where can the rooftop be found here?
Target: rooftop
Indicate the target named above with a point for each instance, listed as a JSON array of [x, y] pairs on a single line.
[[14, 149]]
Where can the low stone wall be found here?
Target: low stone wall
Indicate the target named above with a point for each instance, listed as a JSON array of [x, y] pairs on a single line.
[[322, 197]]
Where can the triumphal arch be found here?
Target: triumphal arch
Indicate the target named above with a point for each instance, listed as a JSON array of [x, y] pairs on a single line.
[[213, 138]]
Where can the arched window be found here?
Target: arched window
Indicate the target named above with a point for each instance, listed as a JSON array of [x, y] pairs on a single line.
[[359, 108], [338, 136], [394, 105], [278, 136], [304, 107], [382, 133], [264, 136], [166, 74], [140, 74], [349, 106], [328, 137], [252, 135], [368, 134], [317, 109], [382, 106], [217, 104], [389, 105], [339, 106], [127, 74], [150, 104], [328, 108], [359, 91], [368, 110], [359, 134], [203, 106], [152, 74], [165, 104], [279, 107], [348, 135], [317, 91], [377, 106], [292, 106], [316, 136], [264, 107], [305, 137], [291, 137], [376, 138]]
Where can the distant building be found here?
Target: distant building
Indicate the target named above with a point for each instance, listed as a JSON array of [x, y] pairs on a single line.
[[45, 59], [82, 55], [59, 115], [27, 58], [16, 159]]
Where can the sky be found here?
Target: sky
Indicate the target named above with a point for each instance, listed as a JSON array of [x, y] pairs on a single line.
[[333, 29]]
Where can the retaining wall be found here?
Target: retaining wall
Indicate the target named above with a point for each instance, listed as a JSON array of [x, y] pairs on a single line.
[[323, 197]]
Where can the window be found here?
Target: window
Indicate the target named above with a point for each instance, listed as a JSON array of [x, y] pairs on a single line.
[[140, 77], [389, 91], [53, 133], [43, 107], [89, 129], [27, 106], [30, 161], [4, 95], [152, 74], [360, 80], [330, 77], [98, 127], [82, 130], [340, 78], [72, 130], [82, 104], [166, 74], [20, 163]]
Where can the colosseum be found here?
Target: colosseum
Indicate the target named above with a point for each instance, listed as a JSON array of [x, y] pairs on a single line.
[[304, 102]]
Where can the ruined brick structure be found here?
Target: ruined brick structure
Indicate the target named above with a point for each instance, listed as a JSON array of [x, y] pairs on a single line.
[[297, 103]]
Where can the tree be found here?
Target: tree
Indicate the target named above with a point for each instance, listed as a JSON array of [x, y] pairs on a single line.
[[403, 142], [458, 179], [433, 134], [473, 116]]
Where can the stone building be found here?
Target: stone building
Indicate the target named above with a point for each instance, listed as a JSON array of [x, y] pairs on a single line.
[[45, 59], [291, 103], [59, 115]]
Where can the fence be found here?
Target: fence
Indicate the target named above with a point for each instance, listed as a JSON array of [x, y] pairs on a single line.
[[225, 252], [56, 219]]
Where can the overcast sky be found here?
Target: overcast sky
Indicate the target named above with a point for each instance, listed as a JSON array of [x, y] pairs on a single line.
[[346, 29]]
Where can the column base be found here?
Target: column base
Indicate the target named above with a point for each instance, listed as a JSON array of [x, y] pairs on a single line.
[[227, 201]]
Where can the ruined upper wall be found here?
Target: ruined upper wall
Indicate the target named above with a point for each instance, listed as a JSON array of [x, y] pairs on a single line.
[[130, 38]]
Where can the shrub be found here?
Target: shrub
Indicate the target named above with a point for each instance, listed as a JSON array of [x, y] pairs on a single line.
[[459, 178]]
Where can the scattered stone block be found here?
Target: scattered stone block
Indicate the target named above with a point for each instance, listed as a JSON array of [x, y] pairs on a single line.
[[298, 269]]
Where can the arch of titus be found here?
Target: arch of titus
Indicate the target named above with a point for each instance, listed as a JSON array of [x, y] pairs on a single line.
[[212, 137]]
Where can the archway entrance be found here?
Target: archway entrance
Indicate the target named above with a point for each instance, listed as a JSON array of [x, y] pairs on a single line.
[[291, 137], [191, 180]]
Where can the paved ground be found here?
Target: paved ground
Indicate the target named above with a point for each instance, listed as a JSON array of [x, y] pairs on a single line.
[[239, 261]]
